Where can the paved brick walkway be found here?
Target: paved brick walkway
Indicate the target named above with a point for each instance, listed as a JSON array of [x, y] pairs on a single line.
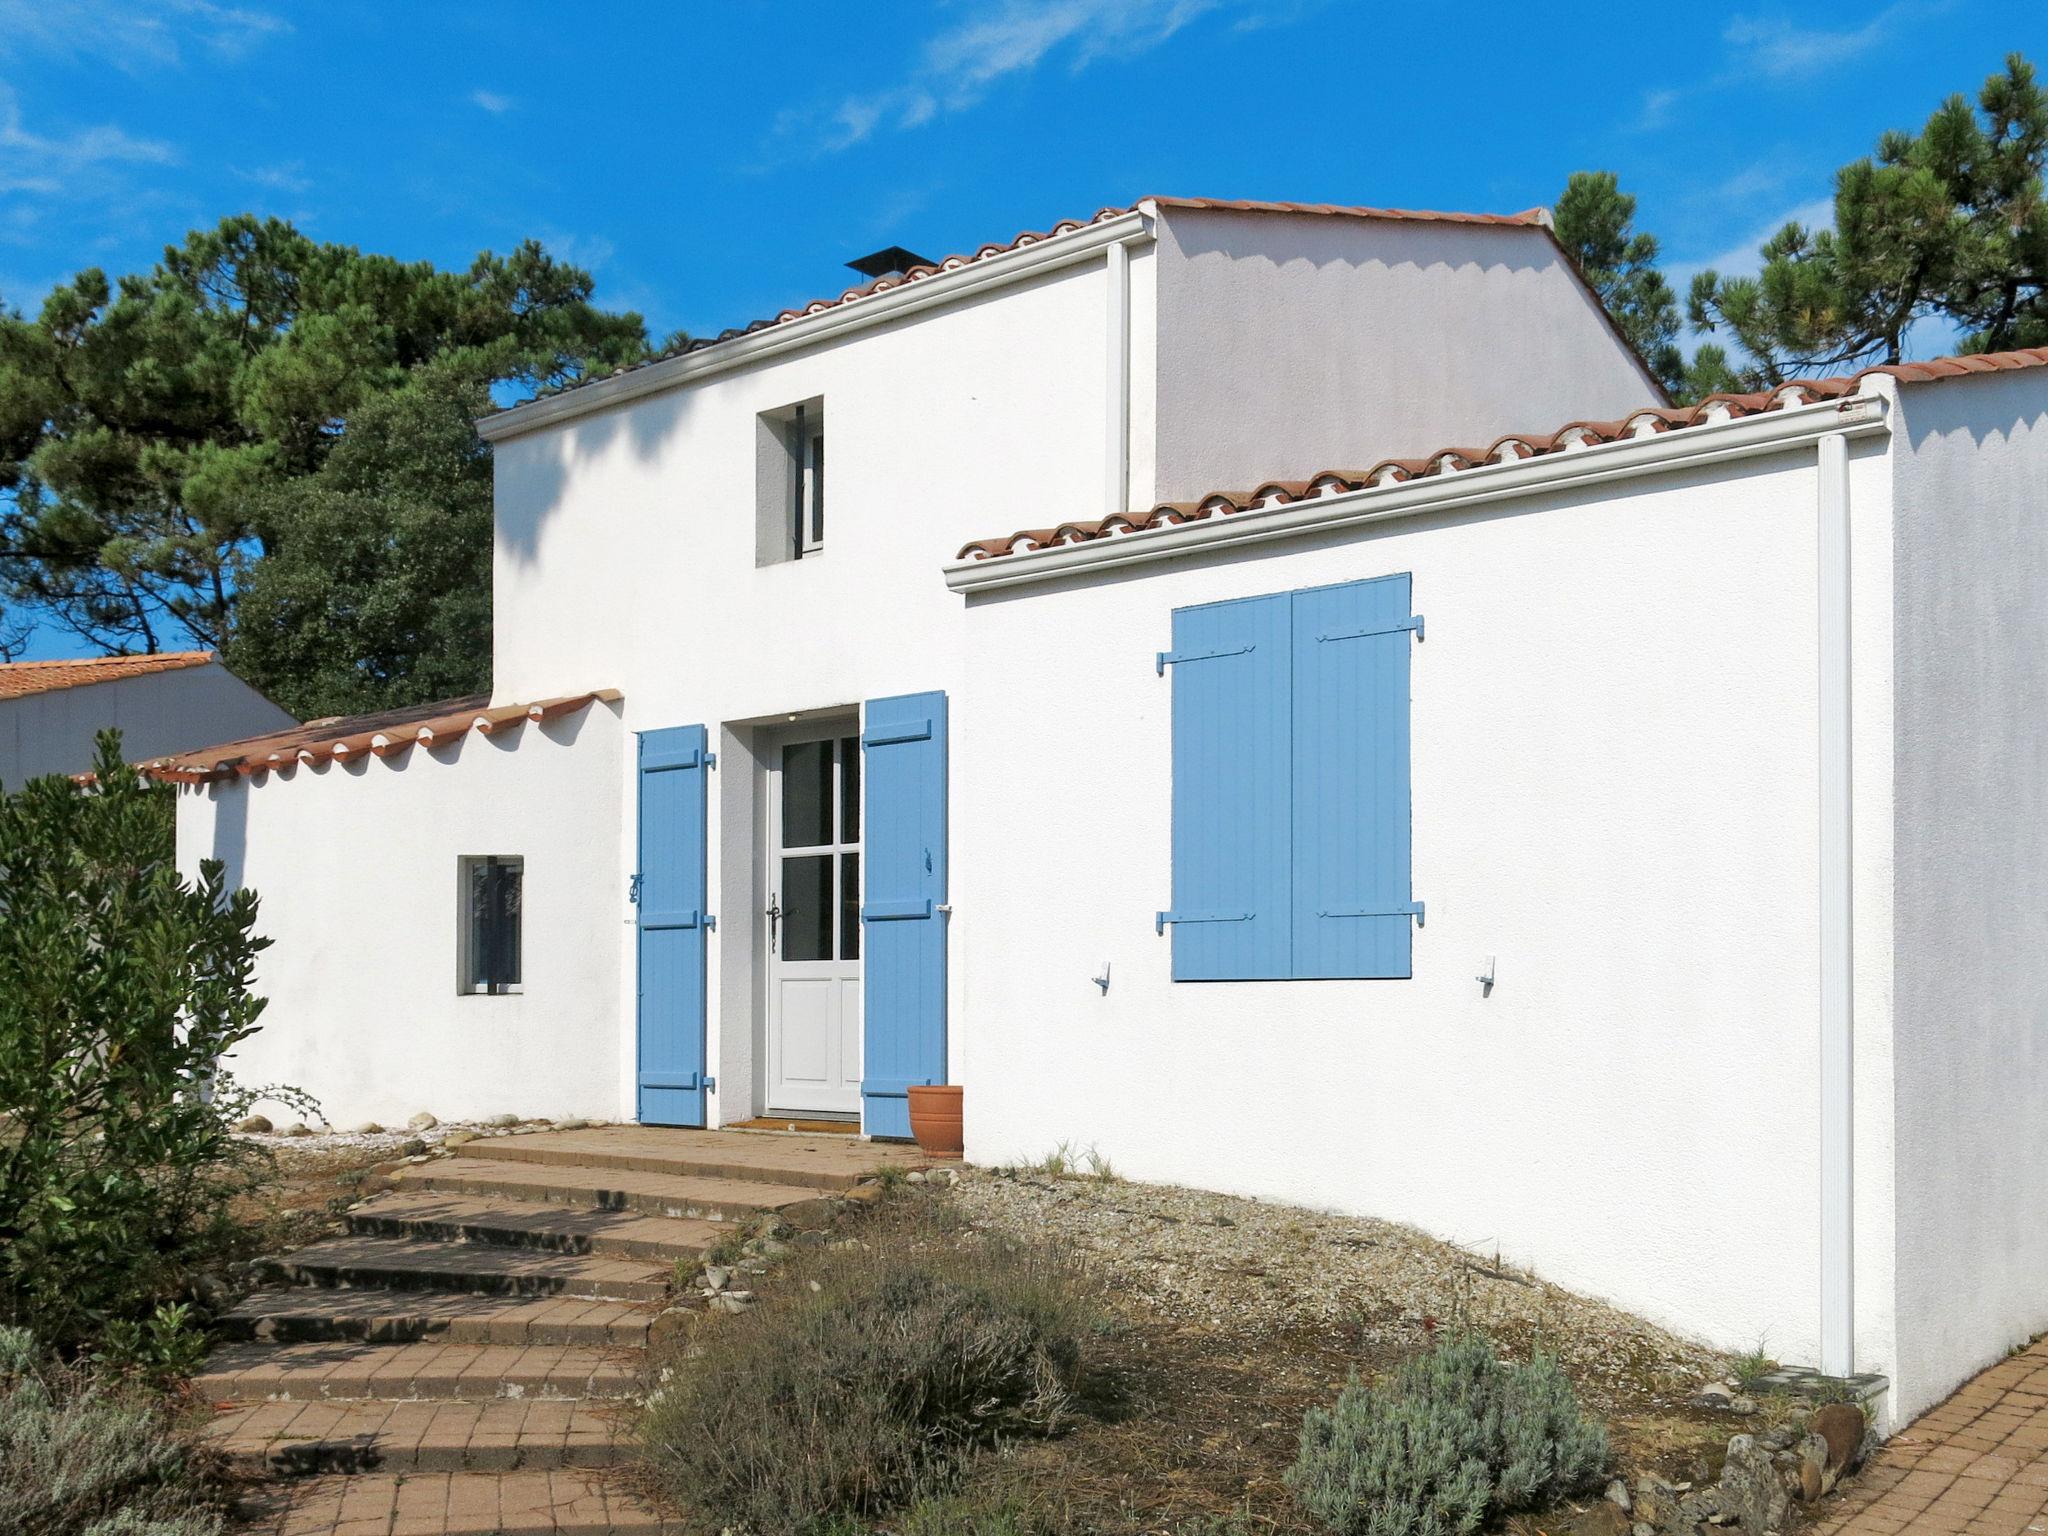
[[1975, 1466]]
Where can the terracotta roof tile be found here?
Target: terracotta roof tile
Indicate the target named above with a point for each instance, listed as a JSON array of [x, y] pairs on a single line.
[[19, 679], [384, 734], [1573, 435], [1528, 218]]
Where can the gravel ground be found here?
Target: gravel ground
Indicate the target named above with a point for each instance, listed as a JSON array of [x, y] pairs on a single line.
[[1249, 1267], [392, 1138]]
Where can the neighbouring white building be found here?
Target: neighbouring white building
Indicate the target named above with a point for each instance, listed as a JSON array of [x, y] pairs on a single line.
[[171, 701], [1619, 840]]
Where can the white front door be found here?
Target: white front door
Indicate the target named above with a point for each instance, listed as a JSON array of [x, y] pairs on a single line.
[[814, 927]]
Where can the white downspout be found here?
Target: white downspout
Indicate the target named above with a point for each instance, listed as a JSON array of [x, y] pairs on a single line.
[[1117, 441], [1837, 928]]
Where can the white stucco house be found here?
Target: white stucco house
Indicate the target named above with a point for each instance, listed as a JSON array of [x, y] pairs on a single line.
[[169, 701], [1668, 912]]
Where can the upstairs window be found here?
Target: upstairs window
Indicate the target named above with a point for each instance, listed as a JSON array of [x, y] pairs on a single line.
[[491, 890], [790, 492]]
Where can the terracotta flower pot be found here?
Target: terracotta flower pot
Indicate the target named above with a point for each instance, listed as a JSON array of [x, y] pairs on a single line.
[[935, 1121]]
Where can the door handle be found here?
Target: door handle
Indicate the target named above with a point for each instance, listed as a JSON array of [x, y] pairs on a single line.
[[774, 919]]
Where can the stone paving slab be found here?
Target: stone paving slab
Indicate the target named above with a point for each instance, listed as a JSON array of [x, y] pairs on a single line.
[[256, 1372], [610, 1189], [407, 1264], [310, 1314], [1975, 1466], [295, 1439], [447, 1217], [524, 1503], [817, 1162]]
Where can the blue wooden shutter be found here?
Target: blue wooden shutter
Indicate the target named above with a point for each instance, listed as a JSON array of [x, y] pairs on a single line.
[[903, 959], [1353, 888], [1231, 790], [670, 889]]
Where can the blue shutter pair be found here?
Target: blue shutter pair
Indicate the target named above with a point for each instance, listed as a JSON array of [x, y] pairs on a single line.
[[1291, 837]]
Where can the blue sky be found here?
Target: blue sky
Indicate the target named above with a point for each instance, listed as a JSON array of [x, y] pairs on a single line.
[[712, 163]]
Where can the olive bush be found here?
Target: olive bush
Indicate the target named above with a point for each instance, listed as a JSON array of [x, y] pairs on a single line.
[[121, 988]]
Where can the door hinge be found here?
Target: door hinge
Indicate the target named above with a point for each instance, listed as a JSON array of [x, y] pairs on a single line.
[[1412, 909], [1160, 920], [1161, 660], [1414, 623]]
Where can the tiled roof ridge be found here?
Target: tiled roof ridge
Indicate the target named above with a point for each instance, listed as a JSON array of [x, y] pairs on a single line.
[[383, 734], [1512, 446], [21, 679], [1527, 218]]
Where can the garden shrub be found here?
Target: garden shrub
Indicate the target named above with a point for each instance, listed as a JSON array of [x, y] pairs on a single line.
[[869, 1370], [1450, 1437], [121, 988], [85, 1455]]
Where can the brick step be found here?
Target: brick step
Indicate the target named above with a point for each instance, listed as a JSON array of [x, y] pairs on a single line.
[[650, 1194], [533, 1224], [414, 1265], [305, 1314], [812, 1162], [537, 1503], [300, 1439], [428, 1371]]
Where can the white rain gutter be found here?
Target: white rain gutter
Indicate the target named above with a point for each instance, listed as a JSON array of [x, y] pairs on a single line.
[[1837, 922], [1075, 246], [1658, 453]]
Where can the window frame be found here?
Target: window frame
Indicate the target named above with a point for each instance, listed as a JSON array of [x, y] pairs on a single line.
[[470, 938]]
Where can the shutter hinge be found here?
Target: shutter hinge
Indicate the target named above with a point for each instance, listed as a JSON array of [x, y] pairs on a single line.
[[710, 759], [710, 921], [633, 889], [1160, 920], [1360, 634], [711, 1085], [1412, 909], [1163, 659]]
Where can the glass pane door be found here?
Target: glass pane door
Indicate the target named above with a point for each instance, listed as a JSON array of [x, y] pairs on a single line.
[[819, 885]]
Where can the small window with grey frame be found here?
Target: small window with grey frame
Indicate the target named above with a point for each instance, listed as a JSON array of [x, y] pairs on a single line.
[[491, 890], [790, 483]]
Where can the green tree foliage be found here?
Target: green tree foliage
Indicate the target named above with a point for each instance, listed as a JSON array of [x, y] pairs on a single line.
[[146, 425], [1595, 222], [1947, 225], [121, 988], [381, 595], [1449, 1439]]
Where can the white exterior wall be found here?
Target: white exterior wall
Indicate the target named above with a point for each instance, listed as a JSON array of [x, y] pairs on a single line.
[[1972, 883], [157, 713], [1288, 344], [355, 866], [1615, 795]]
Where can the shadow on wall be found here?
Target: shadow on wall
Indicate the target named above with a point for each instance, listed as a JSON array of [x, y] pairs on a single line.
[[535, 470], [230, 828]]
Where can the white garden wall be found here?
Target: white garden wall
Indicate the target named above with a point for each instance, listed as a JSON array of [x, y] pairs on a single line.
[[1972, 880], [1615, 797], [355, 866]]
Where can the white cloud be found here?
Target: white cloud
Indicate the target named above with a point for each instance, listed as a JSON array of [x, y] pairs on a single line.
[[1741, 259], [492, 102], [955, 68], [37, 162], [134, 34], [1773, 46], [1656, 111], [289, 177]]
